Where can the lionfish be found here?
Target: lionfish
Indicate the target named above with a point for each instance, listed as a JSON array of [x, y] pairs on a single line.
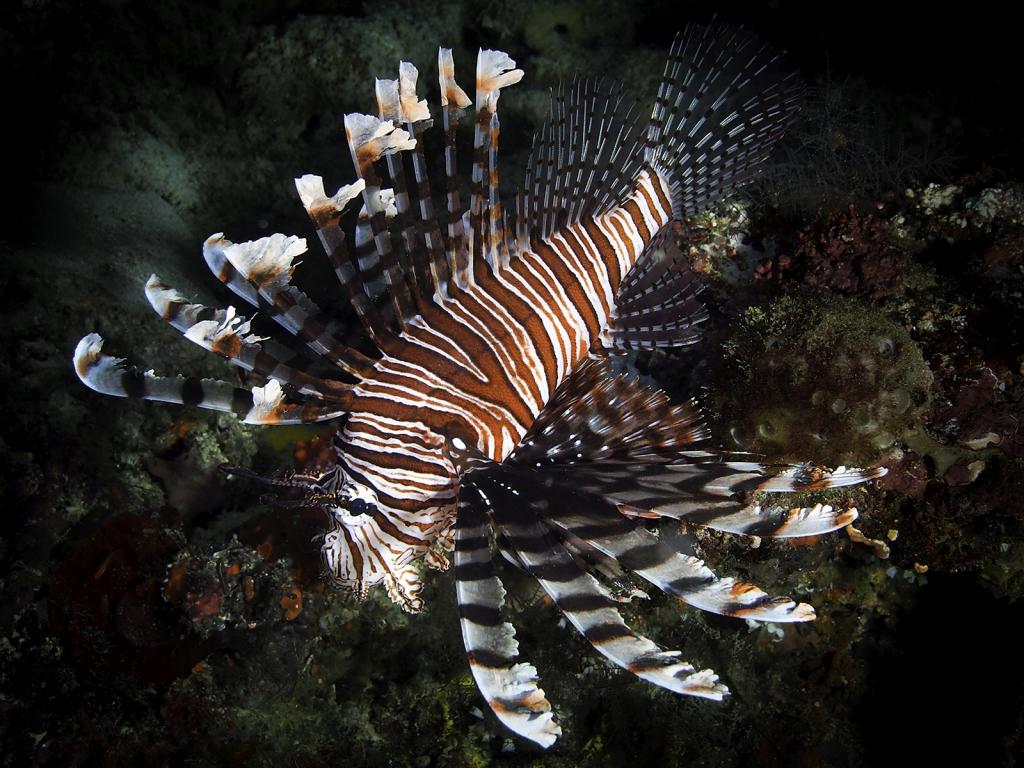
[[491, 417]]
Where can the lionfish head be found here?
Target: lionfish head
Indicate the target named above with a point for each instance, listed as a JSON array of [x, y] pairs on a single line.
[[349, 506], [340, 551]]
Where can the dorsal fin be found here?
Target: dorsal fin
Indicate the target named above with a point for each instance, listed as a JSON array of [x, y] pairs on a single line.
[[369, 139], [391, 107], [300, 357], [418, 122], [226, 333], [724, 100], [368, 259], [259, 405], [494, 70], [453, 101], [267, 265], [656, 304], [326, 215], [427, 260], [584, 161]]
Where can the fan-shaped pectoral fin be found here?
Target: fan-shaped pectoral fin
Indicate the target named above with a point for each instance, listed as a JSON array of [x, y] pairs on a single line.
[[260, 405], [586, 604], [509, 687]]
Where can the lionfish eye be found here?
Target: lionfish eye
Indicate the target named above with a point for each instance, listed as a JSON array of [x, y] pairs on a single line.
[[358, 507]]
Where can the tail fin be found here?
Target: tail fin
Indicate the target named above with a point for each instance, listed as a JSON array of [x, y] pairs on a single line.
[[723, 102]]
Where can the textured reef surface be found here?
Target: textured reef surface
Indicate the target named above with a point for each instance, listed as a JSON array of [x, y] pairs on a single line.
[[867, 306]]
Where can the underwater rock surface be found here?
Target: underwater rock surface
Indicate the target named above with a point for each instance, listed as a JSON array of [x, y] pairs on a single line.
[[155, 613]]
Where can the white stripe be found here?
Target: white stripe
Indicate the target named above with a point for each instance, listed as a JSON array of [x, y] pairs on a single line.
[[588, 248], [622, 252], [395, 447], [414, 429], [641, 201], [414, 398], [523, 349], [571, 260], [564, 311], [557, 337], [462, 359], [506, 359], [636, 243], [396, 475], [494, 409]]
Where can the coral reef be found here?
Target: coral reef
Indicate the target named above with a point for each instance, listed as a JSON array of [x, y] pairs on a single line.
[[833, 373], [852, 254], [156, 612]]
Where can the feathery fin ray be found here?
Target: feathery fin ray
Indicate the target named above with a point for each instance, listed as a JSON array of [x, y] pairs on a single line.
[[724, 101], [510, 688], [657, 304], [260, 405]]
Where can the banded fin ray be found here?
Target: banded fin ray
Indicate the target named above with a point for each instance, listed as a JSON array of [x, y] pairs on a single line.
[[584, 159], [453, 101], [260, 405], [304, 357], [433, 244], [595, 416], [226, 333], [217, 261], [567, 510], [509, 688], [325, 212], [371, 138], [656, 304], [267, 265], [724, 100], [621, 441], [390, 109], [214, 255], [586, 604], [421, 238], [698, 493], [495, 70], [368, 261]]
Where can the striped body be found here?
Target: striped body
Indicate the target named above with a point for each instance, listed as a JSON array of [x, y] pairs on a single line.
[[481, 365], [490, 418]]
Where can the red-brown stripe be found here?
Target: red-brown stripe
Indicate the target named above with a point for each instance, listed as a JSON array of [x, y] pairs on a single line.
[[572, 286]]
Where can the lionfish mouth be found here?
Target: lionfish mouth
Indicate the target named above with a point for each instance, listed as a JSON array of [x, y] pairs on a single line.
[[493, 336]]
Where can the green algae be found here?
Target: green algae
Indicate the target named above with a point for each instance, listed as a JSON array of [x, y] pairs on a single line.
[[834, 376]]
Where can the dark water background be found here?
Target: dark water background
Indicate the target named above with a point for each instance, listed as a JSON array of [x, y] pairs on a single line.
[[135, 129]]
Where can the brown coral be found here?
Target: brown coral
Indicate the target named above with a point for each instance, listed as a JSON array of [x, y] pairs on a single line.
[[985, 411], [851, 254]]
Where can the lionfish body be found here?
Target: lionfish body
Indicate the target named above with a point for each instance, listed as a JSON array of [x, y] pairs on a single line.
[[490, 412]]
